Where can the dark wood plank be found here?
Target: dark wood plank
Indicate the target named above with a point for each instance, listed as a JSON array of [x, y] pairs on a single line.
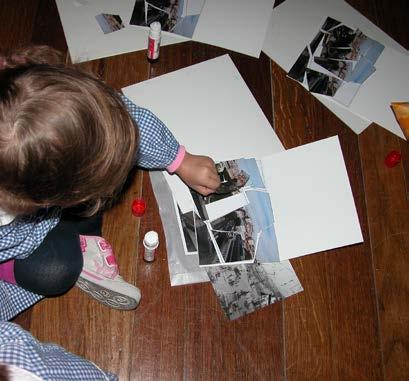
[[47, 26], [342, 333], [388, 216], [159, 331], [17, 24]]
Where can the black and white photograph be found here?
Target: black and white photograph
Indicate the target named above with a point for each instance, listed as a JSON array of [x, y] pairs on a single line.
[[109, 23], [186, 222], [242, 289], [173, 15], [234, 237], [229, 239], [297, 71], [208, 254]]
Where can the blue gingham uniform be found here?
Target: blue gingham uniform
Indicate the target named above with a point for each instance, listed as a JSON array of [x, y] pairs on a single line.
[[47, 361], [158, 148]]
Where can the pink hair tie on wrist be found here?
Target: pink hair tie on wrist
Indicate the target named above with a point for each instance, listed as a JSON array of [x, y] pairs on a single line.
[[174, 165], [3, 63]]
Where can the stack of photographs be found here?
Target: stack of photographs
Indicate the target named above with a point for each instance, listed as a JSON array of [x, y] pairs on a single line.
[[337, 61], [232, 232], [176, 16], [235, 224]]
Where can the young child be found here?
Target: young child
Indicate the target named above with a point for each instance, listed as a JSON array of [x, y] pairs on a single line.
[[68, 140]]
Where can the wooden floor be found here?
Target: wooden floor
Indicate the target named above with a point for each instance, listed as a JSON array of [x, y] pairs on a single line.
[[350, 323]]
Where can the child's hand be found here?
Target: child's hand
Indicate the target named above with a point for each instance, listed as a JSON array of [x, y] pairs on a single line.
[[199, 173]]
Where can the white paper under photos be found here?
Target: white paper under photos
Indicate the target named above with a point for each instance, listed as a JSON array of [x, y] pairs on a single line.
[[295, 22], [92, 30], [211, 111], [85, 39]]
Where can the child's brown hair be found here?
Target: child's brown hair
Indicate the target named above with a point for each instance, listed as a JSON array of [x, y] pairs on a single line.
[[65, 137]]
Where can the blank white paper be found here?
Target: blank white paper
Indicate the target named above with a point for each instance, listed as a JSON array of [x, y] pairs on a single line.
[[291, 28], [311, 197], [238, 25], [211, 111]]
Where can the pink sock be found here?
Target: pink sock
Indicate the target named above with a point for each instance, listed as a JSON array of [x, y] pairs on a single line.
[[7, 272]]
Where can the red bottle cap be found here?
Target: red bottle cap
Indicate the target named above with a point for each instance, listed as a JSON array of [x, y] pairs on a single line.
[[392, 159], [138, 207]]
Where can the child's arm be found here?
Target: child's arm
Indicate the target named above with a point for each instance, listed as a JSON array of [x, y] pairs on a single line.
[[159, 149]]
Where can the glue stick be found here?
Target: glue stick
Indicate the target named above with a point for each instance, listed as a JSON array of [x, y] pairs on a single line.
[[150, 242], [154, 41]]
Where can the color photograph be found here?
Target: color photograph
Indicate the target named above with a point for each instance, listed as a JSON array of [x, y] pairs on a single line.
[[238, 234], [337, 57], [173, 15], [109, 23]]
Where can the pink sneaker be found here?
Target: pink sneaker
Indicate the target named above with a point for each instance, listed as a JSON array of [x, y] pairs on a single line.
[[100, 276]]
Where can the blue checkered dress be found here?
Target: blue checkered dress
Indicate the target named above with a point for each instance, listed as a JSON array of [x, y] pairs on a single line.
[[157, 149], [47, 361]]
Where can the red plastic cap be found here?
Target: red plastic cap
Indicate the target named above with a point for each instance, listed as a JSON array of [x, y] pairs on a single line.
[[138, 207], [392, 159]]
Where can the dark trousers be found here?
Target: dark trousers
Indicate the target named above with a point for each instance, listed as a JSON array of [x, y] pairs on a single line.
[[54, 267]]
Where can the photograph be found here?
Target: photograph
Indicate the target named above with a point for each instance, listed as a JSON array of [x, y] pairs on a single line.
[[339, 68], [345, 53], [208, 254], [234, 237], [339, 37], [238, 231], [322, 83], [329, 24], [242, 289], [297, 71], [367, 47], [173, 15], [109, 23], [233, 177], [186, 223], [345, 44], [346, 57], [361, 72], [262, 217]]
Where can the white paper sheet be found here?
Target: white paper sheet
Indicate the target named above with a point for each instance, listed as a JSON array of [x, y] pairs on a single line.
[[238, 25], [291, 27], [209, 109], [85, 39], [313, 206]]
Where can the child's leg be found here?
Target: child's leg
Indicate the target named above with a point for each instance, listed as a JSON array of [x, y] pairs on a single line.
[[55, 265], [85, 226], [100, 275], [61, 261], [7, 271]]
